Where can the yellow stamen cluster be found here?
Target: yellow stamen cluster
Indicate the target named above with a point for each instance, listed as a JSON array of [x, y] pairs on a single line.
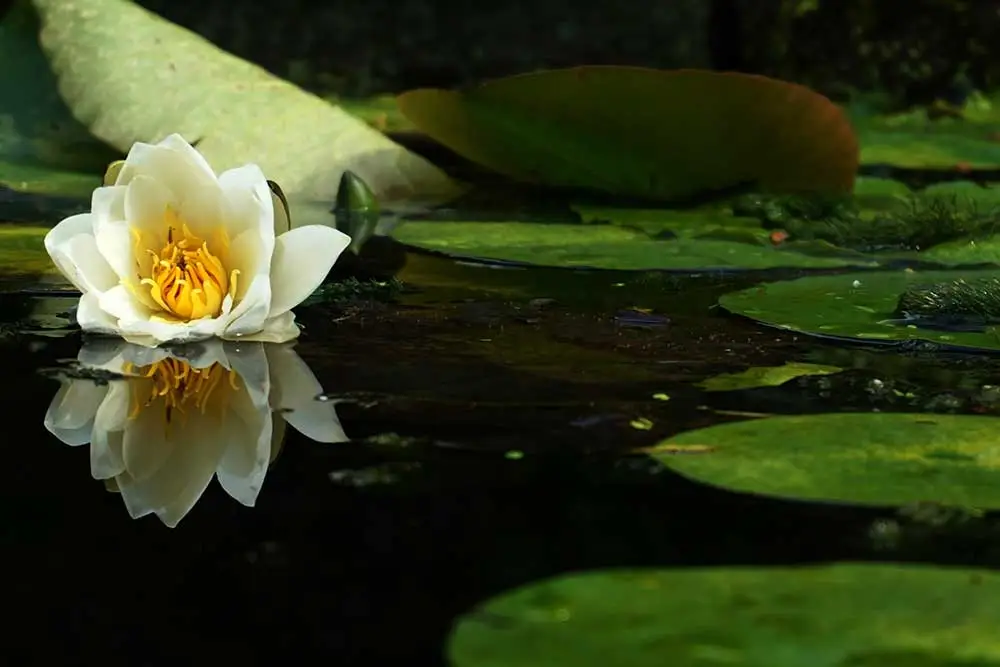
[[177, 385], [185, 279]]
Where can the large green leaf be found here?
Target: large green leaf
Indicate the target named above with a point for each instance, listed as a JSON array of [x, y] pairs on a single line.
[[877, 458], [644, 132], [845, 615], [130, 76], [857, 305]]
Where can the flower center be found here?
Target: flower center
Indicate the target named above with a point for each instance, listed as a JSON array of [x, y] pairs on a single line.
[[186, 279], [178, 387]]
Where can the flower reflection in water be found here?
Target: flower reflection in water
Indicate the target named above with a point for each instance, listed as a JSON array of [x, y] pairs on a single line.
[[185, 414]]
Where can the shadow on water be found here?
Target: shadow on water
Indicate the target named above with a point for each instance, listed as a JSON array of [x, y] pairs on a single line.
[[490, 413]]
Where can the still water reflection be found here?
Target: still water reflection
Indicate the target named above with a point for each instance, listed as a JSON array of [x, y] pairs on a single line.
[[161, 423]]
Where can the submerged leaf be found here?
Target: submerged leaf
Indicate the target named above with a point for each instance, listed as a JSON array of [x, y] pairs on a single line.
[[765, 376], [645, 132]]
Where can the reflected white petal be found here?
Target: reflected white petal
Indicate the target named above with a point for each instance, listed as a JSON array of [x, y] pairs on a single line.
[[293, 393], [280, 329], [70, 416]]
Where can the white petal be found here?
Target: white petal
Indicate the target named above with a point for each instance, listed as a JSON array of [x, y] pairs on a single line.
[[135, 325], [248, 205], [302, 259], [177, 169], [190, 154], [91, 317], [146, 202], [249, 314], [294, 391], [115, 242], [107, 204], [120, 303], [251, 257], [280, 329], [70, 416], [173, 162], [73, 249]]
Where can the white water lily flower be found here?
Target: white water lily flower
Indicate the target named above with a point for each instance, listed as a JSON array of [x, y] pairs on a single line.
[[184, 415], [170, 252]]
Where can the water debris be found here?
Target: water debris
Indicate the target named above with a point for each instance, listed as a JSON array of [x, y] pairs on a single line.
[[641, 317]]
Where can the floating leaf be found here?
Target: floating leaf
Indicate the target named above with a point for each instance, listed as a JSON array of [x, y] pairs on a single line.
[[820, 616], [916, 142], [765, 376], [696, 244], [857, 306], [130, 76], [876, 458], [644, 132]]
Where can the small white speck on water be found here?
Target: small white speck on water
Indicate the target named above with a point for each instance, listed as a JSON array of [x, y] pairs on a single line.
[[323, 398]]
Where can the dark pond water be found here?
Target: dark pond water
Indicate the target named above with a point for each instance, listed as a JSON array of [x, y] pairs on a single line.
[[490, 414]]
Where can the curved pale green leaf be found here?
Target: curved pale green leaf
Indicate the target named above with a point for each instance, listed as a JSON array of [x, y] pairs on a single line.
[[877, 458], [130, 76], [845, 615], [857, 305], [42, 147], [662, 134]]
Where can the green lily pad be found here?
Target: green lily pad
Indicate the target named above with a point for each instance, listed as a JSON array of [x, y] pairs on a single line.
[[658, 134], [765, 376], [913, 140], [857, 615], [129, 76], [877, 458], [640, 240], [856, 306]]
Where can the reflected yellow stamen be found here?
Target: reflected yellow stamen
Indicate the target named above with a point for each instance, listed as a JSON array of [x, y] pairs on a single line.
[[185, 278], [178, 386]]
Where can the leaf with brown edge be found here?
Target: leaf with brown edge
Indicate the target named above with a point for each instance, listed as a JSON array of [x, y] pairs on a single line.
[[658, 134]]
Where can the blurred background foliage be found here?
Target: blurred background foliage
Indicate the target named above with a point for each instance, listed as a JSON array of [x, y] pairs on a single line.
[[908, 51]]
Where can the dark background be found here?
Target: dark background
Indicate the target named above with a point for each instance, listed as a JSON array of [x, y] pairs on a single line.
[[911, 50]]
